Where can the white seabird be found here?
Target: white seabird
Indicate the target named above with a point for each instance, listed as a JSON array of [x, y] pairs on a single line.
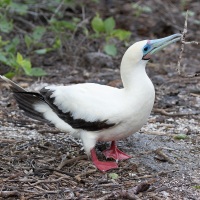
[[96, 112]]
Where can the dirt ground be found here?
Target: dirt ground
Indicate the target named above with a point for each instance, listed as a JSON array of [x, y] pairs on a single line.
[[165, 161]]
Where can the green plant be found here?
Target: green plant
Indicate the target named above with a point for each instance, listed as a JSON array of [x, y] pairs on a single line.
[[140, 9], [6, 25], [107, 29], [9, 54], [113, 176], [60, 26], [56, 45], [10, 57], [51, 34], [63, 30], [25, 64], [197, 187], [33, 39], [7, 7], [180, 136]]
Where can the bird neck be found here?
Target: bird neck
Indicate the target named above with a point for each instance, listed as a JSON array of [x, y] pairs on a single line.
[[134, 78]]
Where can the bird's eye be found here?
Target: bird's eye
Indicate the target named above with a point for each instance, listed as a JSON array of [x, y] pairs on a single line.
[[146, 48]]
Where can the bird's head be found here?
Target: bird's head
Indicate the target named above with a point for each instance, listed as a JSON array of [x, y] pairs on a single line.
[[143, 50]]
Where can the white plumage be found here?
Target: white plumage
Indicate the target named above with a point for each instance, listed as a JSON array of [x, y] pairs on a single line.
[[95, 112]]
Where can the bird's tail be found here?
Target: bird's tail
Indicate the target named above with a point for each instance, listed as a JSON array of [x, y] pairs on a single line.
[[26, 100], [13, 86]]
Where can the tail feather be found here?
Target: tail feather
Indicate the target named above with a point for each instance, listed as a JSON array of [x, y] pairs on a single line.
[[13, 86], [26, 100]]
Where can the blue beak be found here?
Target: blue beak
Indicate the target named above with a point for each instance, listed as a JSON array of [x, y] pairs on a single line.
[[153, 46]]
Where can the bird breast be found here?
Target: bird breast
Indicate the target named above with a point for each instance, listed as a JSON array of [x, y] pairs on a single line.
[[136, 110]]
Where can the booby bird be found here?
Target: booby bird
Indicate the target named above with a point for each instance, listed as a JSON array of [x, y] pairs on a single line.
[[96, 112]]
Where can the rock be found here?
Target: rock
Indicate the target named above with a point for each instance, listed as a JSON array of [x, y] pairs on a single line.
[[98, 59]]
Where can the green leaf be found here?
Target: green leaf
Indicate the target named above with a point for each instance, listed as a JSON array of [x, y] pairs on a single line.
[[6, 26], [197, 187], [4, 3], [12, 62], [3, 43], [25, 64], [9, 74], [36, 71], [180, 136], [62, 25], [41, 51], [3, 59], [197, 22], [28, 40], [38, 33], [110, 49], [12, 46], [19, 58], [138, 10], [19, 8], [76, 20], [57, 43], [113, 176], [109, 25], [121, 34], [98, 24], [146, 9]]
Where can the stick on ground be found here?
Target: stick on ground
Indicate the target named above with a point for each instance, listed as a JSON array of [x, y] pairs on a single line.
[[183, 42]]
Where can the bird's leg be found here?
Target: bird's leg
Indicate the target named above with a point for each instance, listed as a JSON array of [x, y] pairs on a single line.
[[102, 166], [115, 153]]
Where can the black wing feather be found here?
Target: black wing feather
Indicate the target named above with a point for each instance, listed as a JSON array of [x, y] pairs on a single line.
[[68, 117], [26, 100]]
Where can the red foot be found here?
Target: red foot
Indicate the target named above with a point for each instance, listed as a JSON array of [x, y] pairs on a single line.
[[115, 153], [102, 166]]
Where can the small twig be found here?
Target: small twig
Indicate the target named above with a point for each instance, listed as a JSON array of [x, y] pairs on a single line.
[[192, 42], [144, 186], [146, 176], [13, 176], [184, 80], [47, 181], [183, 42], [8, 140], [6, 194], [194, 94], [69, 161], [57, 9], [163, 112], [24, 21], [78, 177], [130, 193], [23, 180], [40, 193], [158, 133], [154, 196], [19, 30], [149, 142], [66, 178], [49, 131], [47, 191], [58, 170], [107, 196], [160, 153]]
